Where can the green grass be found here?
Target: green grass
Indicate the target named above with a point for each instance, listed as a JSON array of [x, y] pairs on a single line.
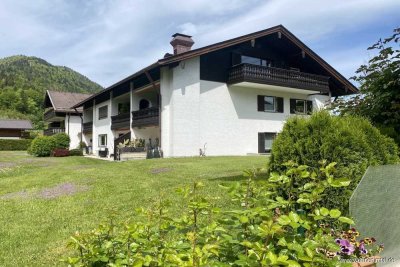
[[34, 230]]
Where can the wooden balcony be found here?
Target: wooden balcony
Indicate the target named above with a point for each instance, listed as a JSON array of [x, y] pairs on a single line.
[[52, 115], [146, 117], [53, 130], [87, 127], [120, 122], [276, 76]]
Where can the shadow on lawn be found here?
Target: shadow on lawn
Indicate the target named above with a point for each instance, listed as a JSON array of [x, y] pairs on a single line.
[[237, 178]]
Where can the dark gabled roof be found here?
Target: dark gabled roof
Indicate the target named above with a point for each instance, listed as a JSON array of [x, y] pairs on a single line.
[[64, 101], [210, 48], [16, 124]]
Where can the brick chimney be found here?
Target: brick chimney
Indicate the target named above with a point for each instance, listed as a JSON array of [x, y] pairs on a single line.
[[181, 43]]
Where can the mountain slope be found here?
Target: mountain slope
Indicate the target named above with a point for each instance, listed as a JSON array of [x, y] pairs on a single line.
[[24, 80]]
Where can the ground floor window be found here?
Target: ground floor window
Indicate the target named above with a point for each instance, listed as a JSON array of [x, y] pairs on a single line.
[[265, 141], [102, 140]]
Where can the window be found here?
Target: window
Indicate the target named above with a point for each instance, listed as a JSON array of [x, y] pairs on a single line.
[[265, 141], [103, 112], [102, 140], [270, 103], [256, 61], [300, 106]]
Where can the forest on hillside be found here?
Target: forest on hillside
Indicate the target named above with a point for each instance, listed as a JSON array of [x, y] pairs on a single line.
[[24, 81]]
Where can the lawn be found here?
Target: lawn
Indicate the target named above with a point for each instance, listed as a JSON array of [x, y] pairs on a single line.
[[44, 200]]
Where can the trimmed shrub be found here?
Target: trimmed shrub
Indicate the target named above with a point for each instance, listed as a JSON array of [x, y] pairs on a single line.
[[352, 142], [42, 146], [61, 140], [14, 144], [76, 152]]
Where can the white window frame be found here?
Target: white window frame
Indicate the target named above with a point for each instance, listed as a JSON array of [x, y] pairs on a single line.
[[275, 104], [305, 106], [100, 139], [106, 108]]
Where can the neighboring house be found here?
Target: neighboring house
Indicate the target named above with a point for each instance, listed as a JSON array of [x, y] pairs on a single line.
[[14, 129], [231, 97], [61, 117]]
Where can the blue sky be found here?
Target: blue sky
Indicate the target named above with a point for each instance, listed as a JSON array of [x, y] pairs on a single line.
[[107, 40]]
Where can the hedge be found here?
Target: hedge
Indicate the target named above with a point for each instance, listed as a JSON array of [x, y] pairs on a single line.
[[14, 144]]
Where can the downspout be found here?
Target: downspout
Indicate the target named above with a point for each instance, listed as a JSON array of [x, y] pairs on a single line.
[[69, 115]]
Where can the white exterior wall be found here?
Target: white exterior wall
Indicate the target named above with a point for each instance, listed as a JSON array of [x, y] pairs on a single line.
[[197, 112], [73, 129], [180, 96], [102, 126]]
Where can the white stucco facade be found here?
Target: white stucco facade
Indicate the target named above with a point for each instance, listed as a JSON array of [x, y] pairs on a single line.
[[73, 129], [197, 113], [102, 126]]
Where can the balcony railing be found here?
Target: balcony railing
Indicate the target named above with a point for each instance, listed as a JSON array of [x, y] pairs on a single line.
[[146, 117], [87, 127], [276, 76], [120, 121], [51, 115], [53, 130]]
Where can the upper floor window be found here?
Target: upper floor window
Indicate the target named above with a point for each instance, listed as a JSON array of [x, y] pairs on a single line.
[[256, 61], [270, 103], [300, 106], [103, 112]]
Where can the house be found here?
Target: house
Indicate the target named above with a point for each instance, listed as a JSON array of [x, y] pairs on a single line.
[[14, 129], [61, 117], [228, 98]]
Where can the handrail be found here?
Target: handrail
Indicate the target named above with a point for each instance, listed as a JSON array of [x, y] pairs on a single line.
[[145, 113], [250, 72]]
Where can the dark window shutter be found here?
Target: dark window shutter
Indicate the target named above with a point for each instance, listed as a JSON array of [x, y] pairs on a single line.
[[260, 103], [292, 106], [236, 59], [261, 143], [279, 104], [309, 107]]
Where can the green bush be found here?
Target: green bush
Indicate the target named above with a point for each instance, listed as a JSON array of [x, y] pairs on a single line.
[[42, 146], [267, 228], [76, 152], [14, 144], [352, 142], [62, 140]]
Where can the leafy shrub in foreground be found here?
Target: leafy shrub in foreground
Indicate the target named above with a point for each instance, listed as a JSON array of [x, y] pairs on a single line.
[[14, 144], [267, 228], [42, 146], [62, 140], [352, 142]]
